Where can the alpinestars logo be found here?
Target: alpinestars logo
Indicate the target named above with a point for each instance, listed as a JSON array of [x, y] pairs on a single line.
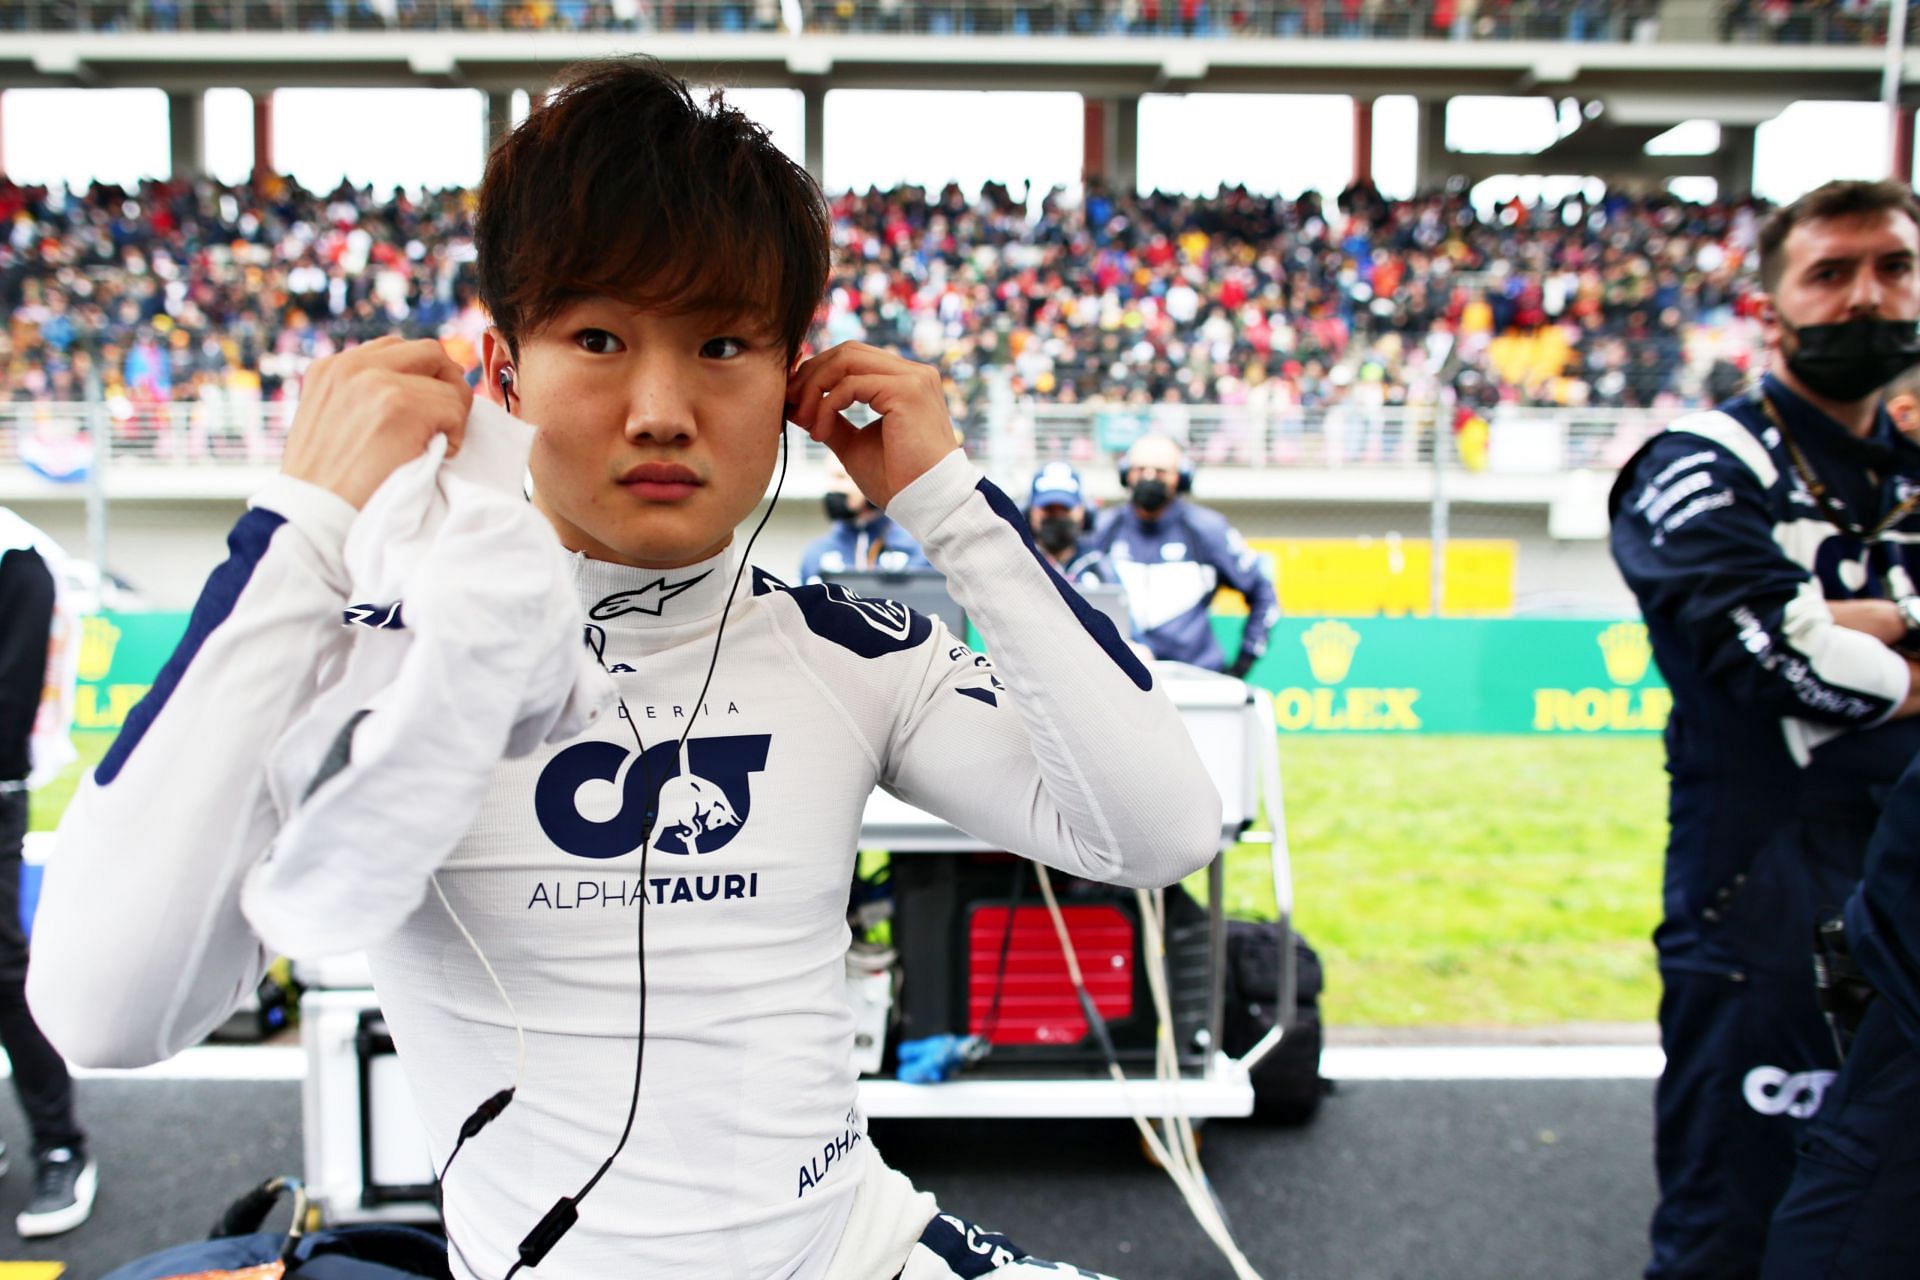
[[648, 598], [700, 810]]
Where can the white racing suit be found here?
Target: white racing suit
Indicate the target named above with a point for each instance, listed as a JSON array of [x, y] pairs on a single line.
[[748, 1145]]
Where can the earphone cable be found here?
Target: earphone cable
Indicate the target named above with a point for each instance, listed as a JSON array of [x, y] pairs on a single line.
[[565, 1211]]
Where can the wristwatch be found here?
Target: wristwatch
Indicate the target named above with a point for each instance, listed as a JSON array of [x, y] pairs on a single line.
[[1909, 607]]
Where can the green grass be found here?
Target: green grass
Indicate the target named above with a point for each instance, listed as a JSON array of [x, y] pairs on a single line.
[[47, 803], [1445, 880], [1473, 881]]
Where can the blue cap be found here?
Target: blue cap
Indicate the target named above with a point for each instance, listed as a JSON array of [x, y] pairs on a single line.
[[1057, 485]]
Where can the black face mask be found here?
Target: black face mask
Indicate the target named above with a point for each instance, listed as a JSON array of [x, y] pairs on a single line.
[[1151, 494], [1057, 533], [1850, 361], [838, 505]]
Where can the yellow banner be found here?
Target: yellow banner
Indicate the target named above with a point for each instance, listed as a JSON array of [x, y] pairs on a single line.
[[1369, 577]]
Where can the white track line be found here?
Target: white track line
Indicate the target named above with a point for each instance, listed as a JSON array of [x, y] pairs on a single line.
[[217, 1062], [1493, 1062], [1340, 1062]]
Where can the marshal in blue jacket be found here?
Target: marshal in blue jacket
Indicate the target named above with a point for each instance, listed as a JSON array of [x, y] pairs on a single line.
[[1172, 566]]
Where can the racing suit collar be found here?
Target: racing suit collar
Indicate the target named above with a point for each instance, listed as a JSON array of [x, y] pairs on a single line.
[[622, 596]]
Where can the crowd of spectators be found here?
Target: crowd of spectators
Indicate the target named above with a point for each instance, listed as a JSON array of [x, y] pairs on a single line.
[[218, 298], [211, 298], [1384, 19], [1311, 303], [1808, 21], [1850, 22]]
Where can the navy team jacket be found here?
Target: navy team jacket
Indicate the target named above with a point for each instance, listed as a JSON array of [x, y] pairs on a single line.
[[1778, 712]]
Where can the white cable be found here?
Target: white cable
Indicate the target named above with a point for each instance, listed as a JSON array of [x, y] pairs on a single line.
[[1198, 1204], [519, 1031], [1177, 1124], [1186, 1177], [1166, 1054]]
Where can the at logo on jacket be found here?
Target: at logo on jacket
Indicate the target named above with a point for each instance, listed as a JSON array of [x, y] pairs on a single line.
[[699, 811]]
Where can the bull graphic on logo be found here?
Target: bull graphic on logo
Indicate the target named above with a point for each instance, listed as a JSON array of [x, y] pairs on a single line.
[[691, 808], [698, 811]]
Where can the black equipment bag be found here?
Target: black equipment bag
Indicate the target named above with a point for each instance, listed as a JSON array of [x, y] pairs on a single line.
[[1287, 1084]]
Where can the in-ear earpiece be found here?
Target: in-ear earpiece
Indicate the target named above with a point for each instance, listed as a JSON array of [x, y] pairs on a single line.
[[506, 379]]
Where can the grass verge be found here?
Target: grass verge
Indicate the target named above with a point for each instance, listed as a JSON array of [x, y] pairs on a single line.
[[1446, 881], [1472, 880]]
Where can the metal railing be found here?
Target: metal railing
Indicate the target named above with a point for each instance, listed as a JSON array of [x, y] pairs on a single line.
[[1525, 440], [56, 438], [1011, 440], [1330, 19]]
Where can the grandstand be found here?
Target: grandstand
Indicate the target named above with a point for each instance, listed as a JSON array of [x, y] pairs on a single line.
[[1335, 361]]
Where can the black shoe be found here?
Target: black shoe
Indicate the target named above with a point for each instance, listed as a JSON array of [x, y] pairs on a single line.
[[64, 1182]]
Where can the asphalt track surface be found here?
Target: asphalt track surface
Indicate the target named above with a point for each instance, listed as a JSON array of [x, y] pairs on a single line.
[[1414, 1179]]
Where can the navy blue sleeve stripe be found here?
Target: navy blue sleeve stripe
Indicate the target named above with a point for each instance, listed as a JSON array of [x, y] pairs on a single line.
[[1097, 624], [245, 546]]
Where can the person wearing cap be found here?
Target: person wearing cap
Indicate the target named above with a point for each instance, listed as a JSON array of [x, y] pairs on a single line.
[[861, 537], [1173, 556], [1058, 514]]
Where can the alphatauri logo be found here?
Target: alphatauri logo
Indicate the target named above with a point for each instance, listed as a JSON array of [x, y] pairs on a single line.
[[595, 801], [1773, 1092]]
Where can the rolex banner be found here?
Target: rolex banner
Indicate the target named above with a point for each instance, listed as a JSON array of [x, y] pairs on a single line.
[[1328, 675], [120, 657], [1458, 675]]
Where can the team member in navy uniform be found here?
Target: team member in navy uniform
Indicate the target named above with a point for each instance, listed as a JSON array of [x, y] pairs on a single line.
[[1848, 1214], [1057, 511], [862, 535], [1770, 545], [1173, 556]]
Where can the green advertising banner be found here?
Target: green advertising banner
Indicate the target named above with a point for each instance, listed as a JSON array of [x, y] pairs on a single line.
[[1328, 675], [120, 656], [1458, 675]]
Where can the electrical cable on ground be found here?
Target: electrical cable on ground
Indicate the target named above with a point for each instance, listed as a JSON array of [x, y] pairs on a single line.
[[1183, 1168]]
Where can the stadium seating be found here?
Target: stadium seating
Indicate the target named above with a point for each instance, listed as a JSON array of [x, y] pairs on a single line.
[[1780, 21], [210, 301]]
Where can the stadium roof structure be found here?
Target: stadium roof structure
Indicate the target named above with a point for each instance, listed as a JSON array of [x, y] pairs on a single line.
[[1689, 63], [1661, 81]]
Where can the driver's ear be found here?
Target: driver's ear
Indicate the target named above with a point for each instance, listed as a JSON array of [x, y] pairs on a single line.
[[496, 368]]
